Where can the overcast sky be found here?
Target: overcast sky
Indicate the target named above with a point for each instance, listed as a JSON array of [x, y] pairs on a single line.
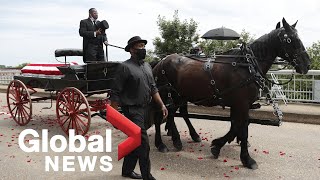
[[31, 30]]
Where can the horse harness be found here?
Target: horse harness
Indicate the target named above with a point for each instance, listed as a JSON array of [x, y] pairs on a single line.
[[256, 76]]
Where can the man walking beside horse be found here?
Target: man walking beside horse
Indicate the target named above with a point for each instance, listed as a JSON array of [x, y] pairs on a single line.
[[133, 91]]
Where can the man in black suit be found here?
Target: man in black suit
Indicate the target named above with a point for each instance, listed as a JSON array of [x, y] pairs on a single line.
[[93, 38]]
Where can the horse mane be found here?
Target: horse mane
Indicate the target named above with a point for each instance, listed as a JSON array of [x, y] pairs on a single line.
[[261, 46], [153, 63]]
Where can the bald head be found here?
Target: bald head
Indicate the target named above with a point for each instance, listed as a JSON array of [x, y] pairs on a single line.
[[93, 13]]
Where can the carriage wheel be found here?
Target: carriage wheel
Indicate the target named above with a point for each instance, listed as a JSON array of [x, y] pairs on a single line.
[[73, 111], [19, 102]]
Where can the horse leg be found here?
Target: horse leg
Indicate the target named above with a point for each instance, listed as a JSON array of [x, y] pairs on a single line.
[[168, 128], [217, 144], [175, 134], [158, 140], [246, 160], [176, 137], [184, 111]]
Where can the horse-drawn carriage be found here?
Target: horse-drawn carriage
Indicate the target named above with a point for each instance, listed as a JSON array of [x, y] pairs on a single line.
[[231, 80], [70, 85]]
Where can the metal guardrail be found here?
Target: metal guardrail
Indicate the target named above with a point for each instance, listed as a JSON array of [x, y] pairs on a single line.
[[6, 75], [303, 88]]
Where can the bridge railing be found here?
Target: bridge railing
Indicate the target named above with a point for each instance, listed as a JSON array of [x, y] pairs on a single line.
[[302, 88], [6, 75]]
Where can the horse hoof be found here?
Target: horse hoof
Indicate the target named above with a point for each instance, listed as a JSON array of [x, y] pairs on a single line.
[[163, 148], [196, 138], [178, 146], [215, 152], [254, 166], [249, 163]]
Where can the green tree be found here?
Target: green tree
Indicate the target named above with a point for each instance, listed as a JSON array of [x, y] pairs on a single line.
[[314, 53], [20, 66], [218, 46], [151, 56], [176, 36]]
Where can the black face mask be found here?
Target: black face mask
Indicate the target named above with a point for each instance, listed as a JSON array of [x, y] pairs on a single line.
[[141, 54]]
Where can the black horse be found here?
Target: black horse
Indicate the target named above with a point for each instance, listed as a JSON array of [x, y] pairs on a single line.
[[232, 81], [173, 102]]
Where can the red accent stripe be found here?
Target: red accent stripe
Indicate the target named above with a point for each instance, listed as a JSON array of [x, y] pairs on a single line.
[[41, 72], [48, 65]]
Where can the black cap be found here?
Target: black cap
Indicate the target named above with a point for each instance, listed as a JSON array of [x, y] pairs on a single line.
[[132, 41]]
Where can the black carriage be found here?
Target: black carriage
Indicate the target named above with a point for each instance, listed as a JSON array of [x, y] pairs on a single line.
[[70, 90]]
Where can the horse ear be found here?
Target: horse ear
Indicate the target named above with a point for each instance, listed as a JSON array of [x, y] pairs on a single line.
[[278, 25], [294, 25], [286, 25]]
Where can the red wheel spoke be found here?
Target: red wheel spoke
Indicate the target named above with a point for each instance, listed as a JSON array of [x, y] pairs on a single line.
[[19, 102], [77, 106], [19, 112], [26, 113], [82, 110], [80, 120], [78, 125], [15, 115], [66, 120], [18, 92], [26, 106], [14, 107], [23, 115], [13, 93], [66, 101], [84, 116], [12, 99], [72, 103], [79, 100], [69, 124], [63, 115], [72, 98], [62, 110]]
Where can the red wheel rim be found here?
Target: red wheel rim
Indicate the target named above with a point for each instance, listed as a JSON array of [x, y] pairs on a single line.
[[73, 111], [19, 102]]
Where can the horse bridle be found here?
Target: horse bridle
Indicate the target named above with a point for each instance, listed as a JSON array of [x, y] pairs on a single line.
[[285, 40]]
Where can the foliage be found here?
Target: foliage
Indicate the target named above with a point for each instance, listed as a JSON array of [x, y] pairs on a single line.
[[314, 53], [20, 66], [219, 46], [151, 56], [176, 36]]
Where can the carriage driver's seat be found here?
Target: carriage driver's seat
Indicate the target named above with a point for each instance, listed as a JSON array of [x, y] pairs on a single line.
[[71, 71]]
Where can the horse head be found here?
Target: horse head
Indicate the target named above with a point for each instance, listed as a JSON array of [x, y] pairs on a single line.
[[292, 48]]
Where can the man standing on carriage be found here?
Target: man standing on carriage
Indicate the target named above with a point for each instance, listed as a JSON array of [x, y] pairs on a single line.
[[93, 37], [134, 88]]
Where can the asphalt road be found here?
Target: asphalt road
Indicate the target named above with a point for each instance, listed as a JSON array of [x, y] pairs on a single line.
[[291, 151]]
